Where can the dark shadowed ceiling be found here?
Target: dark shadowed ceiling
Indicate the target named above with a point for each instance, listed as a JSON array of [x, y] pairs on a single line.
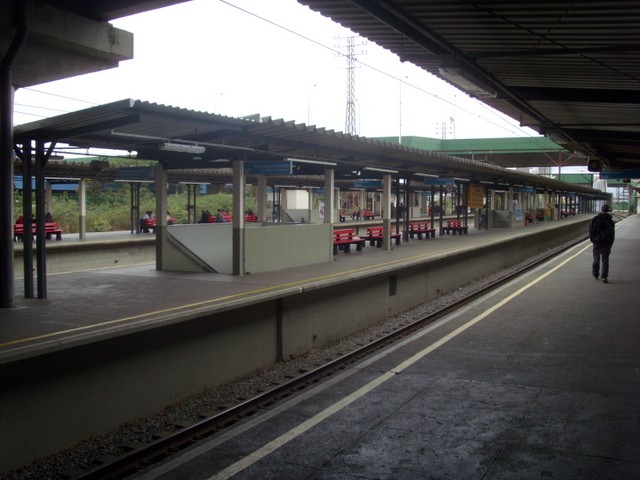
[[568, 69]]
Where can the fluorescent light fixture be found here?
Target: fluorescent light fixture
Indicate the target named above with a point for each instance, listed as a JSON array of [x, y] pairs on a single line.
[[428, 175], [580, 153], [182, 148], [461, 179], [467, 81], [558, 138], [376, 169], [314, 162]]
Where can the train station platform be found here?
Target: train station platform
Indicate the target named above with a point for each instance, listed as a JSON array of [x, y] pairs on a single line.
[[83, 303], [131, 332], [537, 380]]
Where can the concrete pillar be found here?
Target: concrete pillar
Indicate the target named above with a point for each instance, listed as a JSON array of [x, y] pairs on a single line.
[[261, 198], [386, 212], [238, 218], [329, 199], [161, 213], [309, 204], [82, 207]]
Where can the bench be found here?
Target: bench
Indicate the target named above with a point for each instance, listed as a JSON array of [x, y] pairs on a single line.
[[250, 218], [375, 235], [148, 225], [50, 228], [368, 215], [343, 239], [454, 227], [420, 228], [527, 218]]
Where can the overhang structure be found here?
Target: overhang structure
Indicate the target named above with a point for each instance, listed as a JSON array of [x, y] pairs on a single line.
[[568, 69]]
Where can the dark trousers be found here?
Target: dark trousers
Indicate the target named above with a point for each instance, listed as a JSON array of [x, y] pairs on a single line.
[[601, 253]]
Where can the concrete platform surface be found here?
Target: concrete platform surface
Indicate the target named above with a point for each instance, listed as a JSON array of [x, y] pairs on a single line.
[[81, 303], [540, 379]]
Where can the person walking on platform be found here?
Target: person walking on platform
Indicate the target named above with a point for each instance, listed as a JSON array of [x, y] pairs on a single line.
[[602, 232]]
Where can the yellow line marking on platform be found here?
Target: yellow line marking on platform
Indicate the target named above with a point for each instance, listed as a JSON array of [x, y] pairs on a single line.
[[205, 302], [336, 407]]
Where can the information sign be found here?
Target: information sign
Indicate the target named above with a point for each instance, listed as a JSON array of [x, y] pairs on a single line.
[[475, 196], [368, 184], [267, 168], [136, 173], [439, 181], [620, 174]]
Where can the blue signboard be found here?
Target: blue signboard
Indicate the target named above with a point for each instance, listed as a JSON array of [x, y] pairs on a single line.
[[620, 174], [439, 181], [523, 189], [267, 168], [136, 173], [368, 184]]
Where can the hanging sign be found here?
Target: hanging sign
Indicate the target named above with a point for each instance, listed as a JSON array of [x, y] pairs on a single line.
[[439, 181], [368, 184], [267, 168], [475, 196], [136, 173], [523, 189]]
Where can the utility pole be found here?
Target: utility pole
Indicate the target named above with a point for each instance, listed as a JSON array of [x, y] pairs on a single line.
[[350, 118]]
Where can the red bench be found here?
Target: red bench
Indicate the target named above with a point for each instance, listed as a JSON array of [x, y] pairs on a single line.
[[148, 225], [50, 228], [368, 215], [454, 227], [375, 235], [250, 218], [343, 239], [420, 228]]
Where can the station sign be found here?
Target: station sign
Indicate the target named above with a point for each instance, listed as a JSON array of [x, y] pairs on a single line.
[[267, 168], [523, 189], [368, 184], [136, 173], [620, 174], [440, 181]]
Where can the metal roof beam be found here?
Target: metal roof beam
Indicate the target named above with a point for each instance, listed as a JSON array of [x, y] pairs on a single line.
[[590, 95]]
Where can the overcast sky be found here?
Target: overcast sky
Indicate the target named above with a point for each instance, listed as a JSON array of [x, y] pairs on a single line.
[[276, 58]]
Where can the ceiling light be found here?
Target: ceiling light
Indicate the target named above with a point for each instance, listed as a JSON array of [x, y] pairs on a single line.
[[182, 148], [314, 162], [558, 138], [383, 170], [468, 82]]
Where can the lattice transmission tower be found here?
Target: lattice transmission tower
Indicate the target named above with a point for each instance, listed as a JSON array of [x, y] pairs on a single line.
[[350, 118]]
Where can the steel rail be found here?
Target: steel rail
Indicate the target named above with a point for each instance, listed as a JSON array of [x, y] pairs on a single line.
[[165, 446]]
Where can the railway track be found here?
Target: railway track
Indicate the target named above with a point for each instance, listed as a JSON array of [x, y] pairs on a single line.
[[167, 444]]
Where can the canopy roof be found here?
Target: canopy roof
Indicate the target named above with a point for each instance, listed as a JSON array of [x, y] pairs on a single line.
[[147, 128], [568, 69]]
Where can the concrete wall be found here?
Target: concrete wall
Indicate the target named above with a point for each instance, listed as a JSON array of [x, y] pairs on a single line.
[[68, 257], [267, 247], [278, 246], [62, 397]]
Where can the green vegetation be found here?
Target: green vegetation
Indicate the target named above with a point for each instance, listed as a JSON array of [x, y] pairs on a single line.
[[110, 210]]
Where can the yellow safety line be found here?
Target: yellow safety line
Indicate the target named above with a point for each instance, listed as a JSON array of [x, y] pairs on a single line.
[[321, 416], [204, 302]]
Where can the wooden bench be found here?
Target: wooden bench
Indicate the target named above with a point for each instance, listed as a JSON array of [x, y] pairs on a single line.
[[420, 228], [375, 236], [50, 228], [343, 239], [454, 227]]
